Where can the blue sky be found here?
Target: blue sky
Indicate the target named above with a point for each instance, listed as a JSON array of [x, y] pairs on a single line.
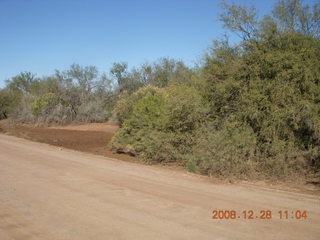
[[43, 35]]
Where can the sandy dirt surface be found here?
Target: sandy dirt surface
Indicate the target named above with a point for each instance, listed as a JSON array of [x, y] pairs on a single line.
[[99, 127], [49, 192]]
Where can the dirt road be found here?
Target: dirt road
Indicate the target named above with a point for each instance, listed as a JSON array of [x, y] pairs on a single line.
[[51, 193]]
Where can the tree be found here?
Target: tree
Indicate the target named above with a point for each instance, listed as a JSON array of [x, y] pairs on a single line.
[[164, 71], [119, 72], [269, 84], [84, 76], [292, 15], [287, 16], [22, 82], [240, 20]]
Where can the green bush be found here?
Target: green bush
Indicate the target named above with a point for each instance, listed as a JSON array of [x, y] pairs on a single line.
[[44, 104], [229, 152], [186, 108], [160, 125], [8, 102], [126, 101], [256, 115], [5, 103], [138, 129]]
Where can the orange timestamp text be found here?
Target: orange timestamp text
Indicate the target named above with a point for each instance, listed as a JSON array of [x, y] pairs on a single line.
[[259, 214]]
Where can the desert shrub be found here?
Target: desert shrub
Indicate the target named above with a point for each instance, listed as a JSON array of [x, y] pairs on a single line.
[[9, 101], [146, 117], [272, 87], [126, 101], [96, 110], [186, 108], [228, 152], [48, 108], [79, 93], [282, 160], [257, 113], [5, 103], [44, 104], [22, 112], [60, 113], [160, 125], [313, 157]]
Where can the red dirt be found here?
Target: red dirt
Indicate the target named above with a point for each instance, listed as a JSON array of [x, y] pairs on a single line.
[[93, 138]]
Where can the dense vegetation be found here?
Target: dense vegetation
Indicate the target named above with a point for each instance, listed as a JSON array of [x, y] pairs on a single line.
[[250, 110]]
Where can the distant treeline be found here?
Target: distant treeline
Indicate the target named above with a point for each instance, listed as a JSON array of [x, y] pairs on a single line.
[[250, 110], [81, 93]]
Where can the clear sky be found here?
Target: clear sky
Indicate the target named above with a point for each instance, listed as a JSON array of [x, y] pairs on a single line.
[[43, 35]]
